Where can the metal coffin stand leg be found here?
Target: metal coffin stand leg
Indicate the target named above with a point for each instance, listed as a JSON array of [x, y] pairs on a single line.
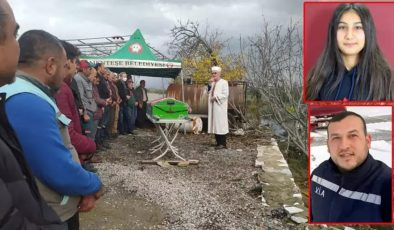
[[165, 136]]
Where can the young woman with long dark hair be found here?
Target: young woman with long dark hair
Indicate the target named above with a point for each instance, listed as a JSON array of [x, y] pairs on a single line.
[[352, 66]]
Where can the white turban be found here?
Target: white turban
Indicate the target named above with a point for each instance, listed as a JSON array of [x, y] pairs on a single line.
[[216, 68]]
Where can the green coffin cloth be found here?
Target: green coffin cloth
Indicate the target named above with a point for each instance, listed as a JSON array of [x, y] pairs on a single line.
[[168, 108]]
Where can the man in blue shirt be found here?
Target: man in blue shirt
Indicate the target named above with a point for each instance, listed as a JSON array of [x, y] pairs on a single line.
[[42, 129], [351, 186]]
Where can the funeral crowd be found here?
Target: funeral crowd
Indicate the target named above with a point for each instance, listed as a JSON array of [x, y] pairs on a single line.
[[55, 112]]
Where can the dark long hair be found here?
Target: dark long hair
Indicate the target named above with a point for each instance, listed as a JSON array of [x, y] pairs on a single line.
[[374, 76]]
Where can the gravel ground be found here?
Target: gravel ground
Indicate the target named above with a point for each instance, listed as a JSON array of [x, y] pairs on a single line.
[[218, 193]]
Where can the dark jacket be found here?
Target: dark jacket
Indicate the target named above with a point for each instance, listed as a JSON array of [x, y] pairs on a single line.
[[21, 205], [122, 91], [66, 103], [346, 90], [77, 97], [132, 100], [362, 195], [103, 87], [139, 95], [101, 103], [114, 91]]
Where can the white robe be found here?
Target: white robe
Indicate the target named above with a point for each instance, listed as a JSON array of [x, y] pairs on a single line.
[[217, 110]]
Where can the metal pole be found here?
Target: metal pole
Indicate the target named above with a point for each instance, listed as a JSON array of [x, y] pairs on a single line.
[[183, 100], [162, 88], [183, 94]]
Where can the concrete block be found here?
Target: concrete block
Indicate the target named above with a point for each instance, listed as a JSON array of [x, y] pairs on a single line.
[[293, 210], [297, 195], [298, 220]]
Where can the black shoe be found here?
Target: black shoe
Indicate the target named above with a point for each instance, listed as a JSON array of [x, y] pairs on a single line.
[[106, 146], [221, 147], [99, 147]]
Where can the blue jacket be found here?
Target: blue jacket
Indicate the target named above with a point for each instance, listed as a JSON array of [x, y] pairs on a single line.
[[362, 195], [34, 121]]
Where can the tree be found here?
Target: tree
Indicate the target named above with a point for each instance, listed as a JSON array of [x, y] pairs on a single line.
[[274, 69], [199, 51]]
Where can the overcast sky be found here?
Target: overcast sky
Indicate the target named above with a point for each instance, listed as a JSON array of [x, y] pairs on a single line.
[[68, 19], [83, 19]]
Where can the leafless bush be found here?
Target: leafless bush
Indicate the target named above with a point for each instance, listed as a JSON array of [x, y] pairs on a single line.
[[274, 68], [189, 41]]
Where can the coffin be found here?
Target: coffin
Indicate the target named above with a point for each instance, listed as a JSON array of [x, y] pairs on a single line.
[[168, 108]]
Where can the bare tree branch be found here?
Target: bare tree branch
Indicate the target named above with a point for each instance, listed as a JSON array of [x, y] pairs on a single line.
[[274, 65]]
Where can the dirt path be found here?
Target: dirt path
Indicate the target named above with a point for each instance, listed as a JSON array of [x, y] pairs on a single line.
[[219, 193]]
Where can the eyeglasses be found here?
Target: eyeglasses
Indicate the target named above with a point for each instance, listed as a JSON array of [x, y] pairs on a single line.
[[214, 72]]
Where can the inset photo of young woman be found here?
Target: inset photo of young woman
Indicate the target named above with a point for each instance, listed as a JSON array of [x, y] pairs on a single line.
[[348, 51]]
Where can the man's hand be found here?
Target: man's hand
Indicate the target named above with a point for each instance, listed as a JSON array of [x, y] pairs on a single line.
[[140, 105], [213, 99], [108, 101], [100, 193], [87, 203], [86, 118]]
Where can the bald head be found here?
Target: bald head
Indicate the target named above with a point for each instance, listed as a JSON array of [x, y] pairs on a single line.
[[9, 48], [6, 19], [4, 16]]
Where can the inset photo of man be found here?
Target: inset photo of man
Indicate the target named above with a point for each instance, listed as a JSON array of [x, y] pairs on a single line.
[[350, 164]]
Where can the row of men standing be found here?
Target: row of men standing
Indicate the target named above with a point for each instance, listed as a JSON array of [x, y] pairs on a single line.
[[106, 102], [42, 183]]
